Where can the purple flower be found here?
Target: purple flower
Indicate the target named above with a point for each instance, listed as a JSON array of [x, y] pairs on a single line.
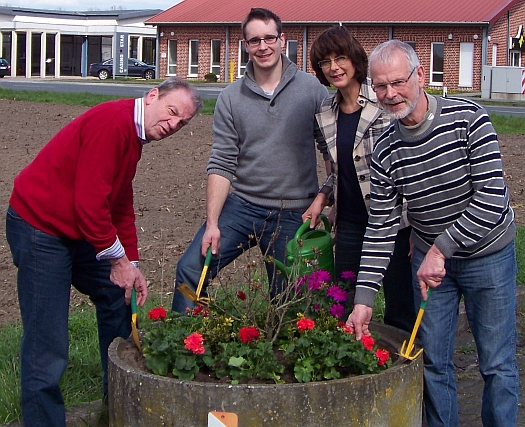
[[317, 307], [348, 275], [337, 310], [324, 276], [337, 293]]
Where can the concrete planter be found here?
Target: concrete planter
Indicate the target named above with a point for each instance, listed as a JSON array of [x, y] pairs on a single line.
[[389, 399]]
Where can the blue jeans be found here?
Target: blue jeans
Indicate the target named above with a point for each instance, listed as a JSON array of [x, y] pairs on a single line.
[[242, 225], [47, 266], [488, 286], [397, 283]]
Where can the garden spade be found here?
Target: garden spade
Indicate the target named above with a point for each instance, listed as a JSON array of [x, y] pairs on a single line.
[[134, 331], [195, 296], [406, 352]]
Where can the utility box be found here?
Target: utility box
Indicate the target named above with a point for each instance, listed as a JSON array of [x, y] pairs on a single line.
[[507, 83], [486, 81]]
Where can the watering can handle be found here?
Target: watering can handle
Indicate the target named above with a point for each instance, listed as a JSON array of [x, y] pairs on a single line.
[[306, 226]]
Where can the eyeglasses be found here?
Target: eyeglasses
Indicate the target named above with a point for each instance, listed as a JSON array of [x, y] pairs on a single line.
[[396, 84], [256, 41], [327, 63]]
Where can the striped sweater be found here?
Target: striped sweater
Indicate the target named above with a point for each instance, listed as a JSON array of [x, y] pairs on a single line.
[[451, 176]]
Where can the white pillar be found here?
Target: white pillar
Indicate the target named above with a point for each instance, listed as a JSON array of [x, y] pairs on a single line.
[[43, 49], [57, 55], [139, 48], [1, 44], [28, 54], [14, 42]]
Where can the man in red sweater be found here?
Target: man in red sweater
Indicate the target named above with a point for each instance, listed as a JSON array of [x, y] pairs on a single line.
[[71, 221]]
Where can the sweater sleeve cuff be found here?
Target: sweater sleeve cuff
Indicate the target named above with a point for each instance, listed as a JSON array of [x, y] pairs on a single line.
[[364, 295], [220, 172], [446, 245], [116, 250]]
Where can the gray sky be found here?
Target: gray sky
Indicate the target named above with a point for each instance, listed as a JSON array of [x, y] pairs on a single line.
[[78, 5]]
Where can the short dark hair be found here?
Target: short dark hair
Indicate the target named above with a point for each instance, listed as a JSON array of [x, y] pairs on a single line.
[[261, 14], [175, 83], [339, 41]]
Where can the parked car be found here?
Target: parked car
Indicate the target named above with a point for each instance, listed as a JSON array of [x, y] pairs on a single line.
[[136, 68], [5, 68]]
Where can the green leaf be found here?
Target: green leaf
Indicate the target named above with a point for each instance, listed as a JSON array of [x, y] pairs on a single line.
[[236, 362]]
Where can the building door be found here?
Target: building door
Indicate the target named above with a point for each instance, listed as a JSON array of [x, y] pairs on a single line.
[[466, 64]]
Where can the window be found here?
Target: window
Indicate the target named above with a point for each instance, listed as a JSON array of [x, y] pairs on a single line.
[[494, 54], [216, 57], [515, 58], [172, 57], [243, 58], [291, 50], [436, 64], [194, 58], [412, 45], [466, 64]]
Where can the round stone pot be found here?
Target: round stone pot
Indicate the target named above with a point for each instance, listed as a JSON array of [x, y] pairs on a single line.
[[391, 398]]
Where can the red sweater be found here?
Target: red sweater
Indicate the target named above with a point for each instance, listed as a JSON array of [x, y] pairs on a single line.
[[79, 186]]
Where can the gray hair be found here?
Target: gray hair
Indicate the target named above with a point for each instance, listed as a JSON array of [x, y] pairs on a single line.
[[176, 83], [384, 52]]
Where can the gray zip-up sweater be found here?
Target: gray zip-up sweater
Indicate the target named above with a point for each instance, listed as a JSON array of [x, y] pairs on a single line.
[[264, 144], [451, 175]]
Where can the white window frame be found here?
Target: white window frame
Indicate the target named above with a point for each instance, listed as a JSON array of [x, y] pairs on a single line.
[[215, 63], [494, 54], [434, 72], [515, 58], [466, 64], [193, 67], [172, 62], [288, 49], [242, 52]]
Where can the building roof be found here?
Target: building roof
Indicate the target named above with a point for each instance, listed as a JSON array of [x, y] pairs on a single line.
[[333, 11], [116, 14]]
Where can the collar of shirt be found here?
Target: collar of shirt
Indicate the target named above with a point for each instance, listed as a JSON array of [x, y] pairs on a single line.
[[139, 120]]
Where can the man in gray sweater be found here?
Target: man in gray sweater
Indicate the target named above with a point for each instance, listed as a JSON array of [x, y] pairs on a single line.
[[442, 156], [263, 147]]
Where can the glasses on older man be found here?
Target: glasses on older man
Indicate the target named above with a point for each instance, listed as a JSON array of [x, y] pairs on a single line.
[[381, 88], [325, 64], [257, 41]]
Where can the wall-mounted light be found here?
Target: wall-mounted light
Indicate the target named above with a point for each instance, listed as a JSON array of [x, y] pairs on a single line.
[[162, 34], [450, 36], [488, 38], [172, 33], [475, 36]]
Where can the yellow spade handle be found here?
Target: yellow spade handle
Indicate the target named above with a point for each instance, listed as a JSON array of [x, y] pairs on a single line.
[[204, 271], [418, 321]]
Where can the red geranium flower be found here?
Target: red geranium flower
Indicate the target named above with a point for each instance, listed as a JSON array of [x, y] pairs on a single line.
[[383, 356], [194, 343], [304, 324], [368, 342], [157, 313], [241, 295], [248, 334]]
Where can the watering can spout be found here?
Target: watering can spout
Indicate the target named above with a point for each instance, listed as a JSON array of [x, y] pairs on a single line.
[[285, 271]]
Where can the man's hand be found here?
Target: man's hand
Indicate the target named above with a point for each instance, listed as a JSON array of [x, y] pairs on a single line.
[[211, 237], [359, 320], [127, 276], [431, 271]]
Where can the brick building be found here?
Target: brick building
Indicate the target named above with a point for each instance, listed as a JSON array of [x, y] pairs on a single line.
[[452, 38]]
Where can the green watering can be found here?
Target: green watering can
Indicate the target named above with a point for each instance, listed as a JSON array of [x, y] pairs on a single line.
[[310, 249]]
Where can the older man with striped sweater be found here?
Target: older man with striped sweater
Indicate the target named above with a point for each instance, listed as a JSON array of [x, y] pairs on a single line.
[[442, 156]]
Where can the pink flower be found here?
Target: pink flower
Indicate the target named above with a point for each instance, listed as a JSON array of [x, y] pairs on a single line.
[[157, 313], [248, 334], [337, 293], [305, 324], [348, 275], [194, 343], [337, 310], [368, 342], [383, 356]]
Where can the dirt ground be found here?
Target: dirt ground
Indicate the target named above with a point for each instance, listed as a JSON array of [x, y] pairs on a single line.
[[169, 189]]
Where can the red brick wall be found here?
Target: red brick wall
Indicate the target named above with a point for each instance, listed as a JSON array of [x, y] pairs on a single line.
[[369, 36], [506, 26]]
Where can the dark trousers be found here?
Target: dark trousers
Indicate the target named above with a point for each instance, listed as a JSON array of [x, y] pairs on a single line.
[[397, 283]]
